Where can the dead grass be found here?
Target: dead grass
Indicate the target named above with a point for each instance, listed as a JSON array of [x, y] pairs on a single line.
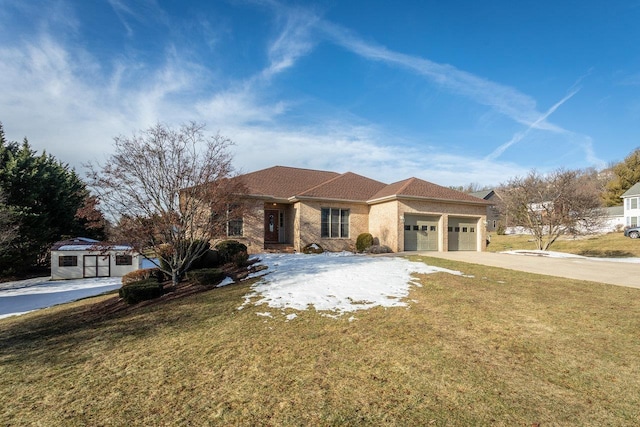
[[611, 245], [498, 348]]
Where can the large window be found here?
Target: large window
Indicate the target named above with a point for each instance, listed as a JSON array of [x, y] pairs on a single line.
[[334, 223], [634, 203], [124, 260], [68, 261]]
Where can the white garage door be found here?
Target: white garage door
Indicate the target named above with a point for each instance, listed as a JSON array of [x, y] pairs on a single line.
[[463, 234], [420, 233]]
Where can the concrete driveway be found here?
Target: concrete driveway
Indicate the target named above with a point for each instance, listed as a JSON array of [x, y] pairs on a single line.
[[594, 270]]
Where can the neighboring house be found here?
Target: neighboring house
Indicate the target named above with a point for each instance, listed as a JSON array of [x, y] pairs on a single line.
[[493, 212], [631, 203], [291, 207], [81, 258], [614, 219]]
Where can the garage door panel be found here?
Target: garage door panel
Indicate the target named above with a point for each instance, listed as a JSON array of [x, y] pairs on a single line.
[[420, 233], [463, 234]]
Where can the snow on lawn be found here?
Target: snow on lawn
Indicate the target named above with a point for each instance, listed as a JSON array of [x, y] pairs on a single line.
[[32, 294], [340, 283]]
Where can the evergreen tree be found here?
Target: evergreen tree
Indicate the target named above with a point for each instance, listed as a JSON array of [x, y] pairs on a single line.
[[626, 174], [45, 199]]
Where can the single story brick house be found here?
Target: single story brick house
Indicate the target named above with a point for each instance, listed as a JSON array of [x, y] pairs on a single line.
[[81, 257], [292, 207]]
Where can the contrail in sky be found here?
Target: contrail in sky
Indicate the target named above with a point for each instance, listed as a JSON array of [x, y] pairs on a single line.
[[520, 135]]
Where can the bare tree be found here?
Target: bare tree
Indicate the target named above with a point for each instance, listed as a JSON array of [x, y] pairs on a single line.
[[563, 202], [169, 191]]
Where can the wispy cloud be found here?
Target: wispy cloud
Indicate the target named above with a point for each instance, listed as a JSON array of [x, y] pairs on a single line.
[[503, 99]]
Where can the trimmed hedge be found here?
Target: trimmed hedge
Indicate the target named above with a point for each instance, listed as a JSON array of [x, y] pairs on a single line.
[[143, 290], [227, 250], [139, 275], [364, 242], [206, 276]]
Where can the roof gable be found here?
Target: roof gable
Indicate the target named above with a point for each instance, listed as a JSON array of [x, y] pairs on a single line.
[[415, 187], [484, 194], [348, 186], [284, 182], [633, 191]]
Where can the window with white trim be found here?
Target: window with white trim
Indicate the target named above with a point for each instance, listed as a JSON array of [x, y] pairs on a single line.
[[68, 261], [334, 223]]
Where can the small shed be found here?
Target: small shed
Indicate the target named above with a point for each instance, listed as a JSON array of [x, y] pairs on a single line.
[[81, 257]]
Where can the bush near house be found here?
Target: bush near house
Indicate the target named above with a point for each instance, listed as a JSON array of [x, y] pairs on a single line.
[[364, 242], [206, 276], [142, 275], [227, 250], [142, 290]]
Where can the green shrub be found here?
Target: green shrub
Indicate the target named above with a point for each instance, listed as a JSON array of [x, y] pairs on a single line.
[[312, 248], [240, 259], [227, 249], [142, 275], [379, 249], [139, 291], [206, 276], [364, 242], [209, 259]]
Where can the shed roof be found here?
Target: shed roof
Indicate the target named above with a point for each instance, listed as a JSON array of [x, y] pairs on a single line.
[[86, 244]]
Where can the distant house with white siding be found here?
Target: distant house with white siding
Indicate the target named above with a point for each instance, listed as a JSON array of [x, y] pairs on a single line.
[[83, 258], [631, 203]]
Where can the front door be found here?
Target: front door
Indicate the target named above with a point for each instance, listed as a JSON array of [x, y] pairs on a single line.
[[96, 266], [271, 221]]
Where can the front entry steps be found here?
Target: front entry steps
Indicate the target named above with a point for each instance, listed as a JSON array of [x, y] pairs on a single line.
[[285, 248]]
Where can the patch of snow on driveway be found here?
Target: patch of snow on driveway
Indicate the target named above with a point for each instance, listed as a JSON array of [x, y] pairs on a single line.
[[27, 295], [341, 282], [551, 254]]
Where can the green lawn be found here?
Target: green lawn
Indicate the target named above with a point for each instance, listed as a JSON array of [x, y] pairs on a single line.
[[498, 348], [603, 245]]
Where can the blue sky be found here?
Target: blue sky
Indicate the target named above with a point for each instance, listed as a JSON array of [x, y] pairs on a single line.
[[452, 92]]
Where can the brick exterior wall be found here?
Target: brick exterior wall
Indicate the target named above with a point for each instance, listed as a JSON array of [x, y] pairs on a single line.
[[384, 224], [382, 220], [308, 219]]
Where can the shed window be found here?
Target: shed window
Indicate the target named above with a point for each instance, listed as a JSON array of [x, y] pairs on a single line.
[[68, 261], [124, 260]]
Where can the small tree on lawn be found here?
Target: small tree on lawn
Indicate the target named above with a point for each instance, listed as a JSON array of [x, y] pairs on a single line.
[[563, 202], [168, 191]]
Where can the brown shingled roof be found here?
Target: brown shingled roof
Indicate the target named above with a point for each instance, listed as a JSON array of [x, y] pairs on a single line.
[[284, 182], [414, 187], [348, 186]]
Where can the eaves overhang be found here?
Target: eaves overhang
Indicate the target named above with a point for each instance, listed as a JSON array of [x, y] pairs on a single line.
[[480, 202]]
